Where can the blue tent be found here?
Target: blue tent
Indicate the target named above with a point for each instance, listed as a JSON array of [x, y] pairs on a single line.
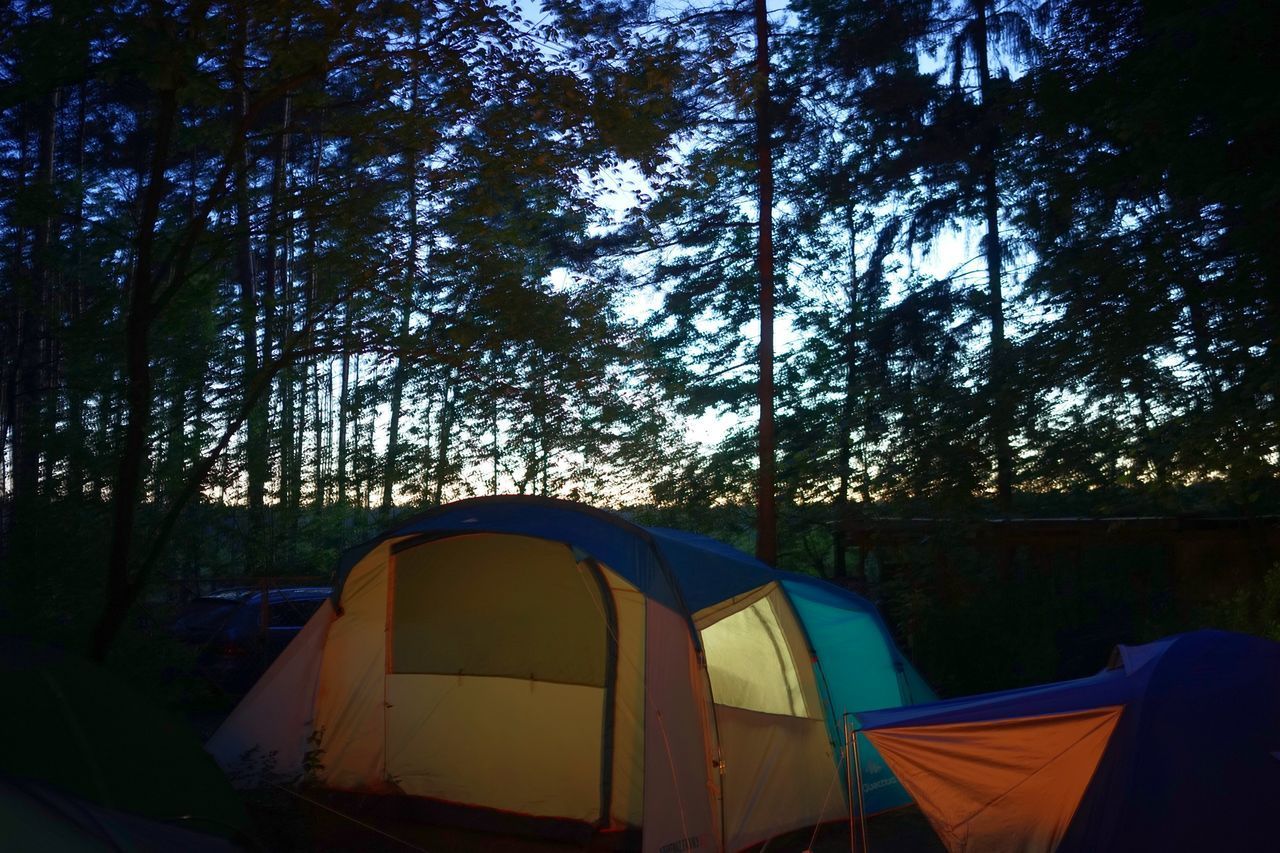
[[1175, 746], [859, 663], [538, 660]]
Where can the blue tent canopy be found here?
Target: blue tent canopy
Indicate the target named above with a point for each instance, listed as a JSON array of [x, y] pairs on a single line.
[[704, 571], [1193, 762], [1109, 687]]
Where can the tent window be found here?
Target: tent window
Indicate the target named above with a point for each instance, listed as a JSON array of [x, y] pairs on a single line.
[[751, 664], [498, 605]]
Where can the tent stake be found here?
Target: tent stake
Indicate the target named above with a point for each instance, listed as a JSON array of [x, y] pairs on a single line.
[[862, 811], [848, 781]]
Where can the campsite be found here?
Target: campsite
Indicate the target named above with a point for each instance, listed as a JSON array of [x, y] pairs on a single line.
[[787, 426]]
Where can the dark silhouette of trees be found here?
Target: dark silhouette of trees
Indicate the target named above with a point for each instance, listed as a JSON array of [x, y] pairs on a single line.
[[274, 271]]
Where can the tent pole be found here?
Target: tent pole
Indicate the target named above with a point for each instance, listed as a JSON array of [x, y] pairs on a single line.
[[862, 811], [848, 782]]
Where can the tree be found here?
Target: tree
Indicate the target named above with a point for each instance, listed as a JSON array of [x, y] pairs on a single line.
[[766, 511], [1149, 217]]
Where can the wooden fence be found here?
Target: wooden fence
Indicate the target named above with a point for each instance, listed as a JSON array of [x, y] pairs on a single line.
[[988, 603]]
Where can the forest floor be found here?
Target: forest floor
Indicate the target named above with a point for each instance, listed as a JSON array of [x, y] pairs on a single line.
[[288, 823]]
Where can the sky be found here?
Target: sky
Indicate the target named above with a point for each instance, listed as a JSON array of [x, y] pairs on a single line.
[[617, 193]]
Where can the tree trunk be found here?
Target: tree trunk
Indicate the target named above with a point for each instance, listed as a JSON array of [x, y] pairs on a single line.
[[359, 473], [274, 300], [121, 590], [76, 440], [46, 275], [255, 449], [766, 510], [444, 438], [344, 405], [862, 292], [321, 426], [839, 541], [11, 345], [495, 448], [29, 400], [282, 285], [390, 474], [999, 369]]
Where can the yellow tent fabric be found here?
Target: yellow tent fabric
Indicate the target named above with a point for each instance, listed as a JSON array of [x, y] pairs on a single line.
[[470, 669], [521, 608], [1021, 802]]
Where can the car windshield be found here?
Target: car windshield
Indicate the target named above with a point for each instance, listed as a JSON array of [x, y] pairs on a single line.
[[205, 616]]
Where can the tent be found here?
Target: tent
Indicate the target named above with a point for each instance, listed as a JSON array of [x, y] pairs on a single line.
[[41, 817], [1175, 746], [538, 664], [87, 758]]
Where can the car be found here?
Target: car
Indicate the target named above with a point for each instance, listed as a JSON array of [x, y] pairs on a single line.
[[237, 633]]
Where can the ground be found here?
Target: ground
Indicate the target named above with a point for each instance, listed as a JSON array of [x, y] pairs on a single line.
[[287, 823]]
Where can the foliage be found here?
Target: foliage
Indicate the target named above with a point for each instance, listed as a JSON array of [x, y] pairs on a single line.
[[276, 273], [1253, 610], [247, 236]]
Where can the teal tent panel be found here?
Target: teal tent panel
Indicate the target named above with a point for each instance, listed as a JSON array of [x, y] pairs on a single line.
[[863, 671], [917, 690]]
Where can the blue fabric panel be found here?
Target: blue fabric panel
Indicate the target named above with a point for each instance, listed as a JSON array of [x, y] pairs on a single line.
[[1136, 657], [1196, 765], [708, 571], [1107, 688]]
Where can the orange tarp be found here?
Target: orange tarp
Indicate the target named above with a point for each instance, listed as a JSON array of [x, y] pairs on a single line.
[[1003, 785]]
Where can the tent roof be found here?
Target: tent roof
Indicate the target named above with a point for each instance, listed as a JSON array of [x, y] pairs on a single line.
[[1110, 687], [1123, 682], [708, 571], [705, 571]]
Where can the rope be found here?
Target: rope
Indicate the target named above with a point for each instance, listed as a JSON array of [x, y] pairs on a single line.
[[835, 777]]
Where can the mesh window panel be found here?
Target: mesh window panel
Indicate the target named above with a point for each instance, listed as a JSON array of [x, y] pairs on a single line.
[[751, 664]]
